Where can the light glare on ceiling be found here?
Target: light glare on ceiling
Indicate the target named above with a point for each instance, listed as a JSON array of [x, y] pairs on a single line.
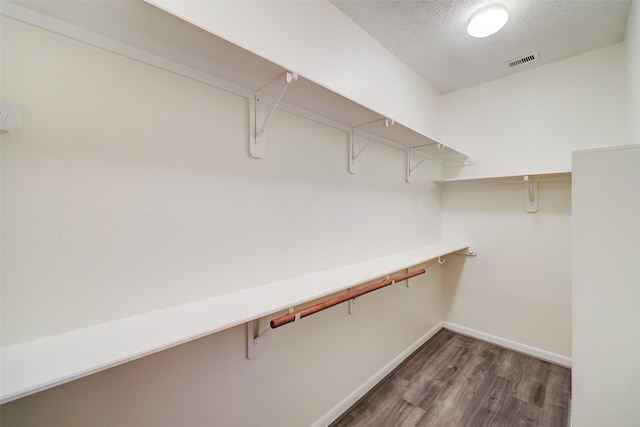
[[487, 21]]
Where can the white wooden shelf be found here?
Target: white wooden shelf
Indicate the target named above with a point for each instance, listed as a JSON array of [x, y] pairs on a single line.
[[145, 33], [40, 364], [529, 181], [540, 177]]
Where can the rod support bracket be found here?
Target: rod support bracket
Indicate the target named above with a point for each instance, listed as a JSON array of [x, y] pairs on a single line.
[[352, 304], [472, 251], [408, 283]]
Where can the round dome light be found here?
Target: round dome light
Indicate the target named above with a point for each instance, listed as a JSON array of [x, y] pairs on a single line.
[[487, 21]]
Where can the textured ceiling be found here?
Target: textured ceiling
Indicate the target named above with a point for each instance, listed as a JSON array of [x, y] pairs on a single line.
[[430, 35]]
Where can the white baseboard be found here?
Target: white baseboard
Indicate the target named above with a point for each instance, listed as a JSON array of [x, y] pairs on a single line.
[[357, 394], [511, 345]]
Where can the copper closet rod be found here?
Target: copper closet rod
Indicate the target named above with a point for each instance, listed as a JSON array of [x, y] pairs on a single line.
[[288, 318]]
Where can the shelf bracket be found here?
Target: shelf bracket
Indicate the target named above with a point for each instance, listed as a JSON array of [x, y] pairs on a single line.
[[411, 168], [353, 156], [353, 165], [10, 115], [255, 337], [258, 118], [352, 303], [530, 194]]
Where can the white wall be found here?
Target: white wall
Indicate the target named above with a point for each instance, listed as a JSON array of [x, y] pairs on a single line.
[[315, 39], [606, 287], [129, 188], [519, 286], [632, 46], [532, 121]]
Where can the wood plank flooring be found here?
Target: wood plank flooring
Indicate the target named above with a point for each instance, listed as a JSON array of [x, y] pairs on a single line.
[[454, 380]]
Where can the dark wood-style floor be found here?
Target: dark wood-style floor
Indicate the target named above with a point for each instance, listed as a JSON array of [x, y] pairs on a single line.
[[454, 380]]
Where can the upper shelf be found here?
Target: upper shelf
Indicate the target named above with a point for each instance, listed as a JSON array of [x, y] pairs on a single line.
[[40, 364], [148, 34]]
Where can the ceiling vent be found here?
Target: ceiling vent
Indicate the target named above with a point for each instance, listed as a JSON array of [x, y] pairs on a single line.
[[522, 60]]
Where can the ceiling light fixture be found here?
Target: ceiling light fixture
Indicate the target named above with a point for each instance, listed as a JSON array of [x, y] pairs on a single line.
[[487, 21]]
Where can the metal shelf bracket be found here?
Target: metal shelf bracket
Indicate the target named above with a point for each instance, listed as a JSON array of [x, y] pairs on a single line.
[[530, 194], [353, 156], [255, 337], [352, 303], [408, 283], [410, 167], [258, 118], [10, 115]]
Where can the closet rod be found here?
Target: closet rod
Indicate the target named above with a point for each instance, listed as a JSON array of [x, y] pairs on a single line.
[[291, 317]]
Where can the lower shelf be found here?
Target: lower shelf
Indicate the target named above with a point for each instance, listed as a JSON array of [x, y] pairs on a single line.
[[40, 364]]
